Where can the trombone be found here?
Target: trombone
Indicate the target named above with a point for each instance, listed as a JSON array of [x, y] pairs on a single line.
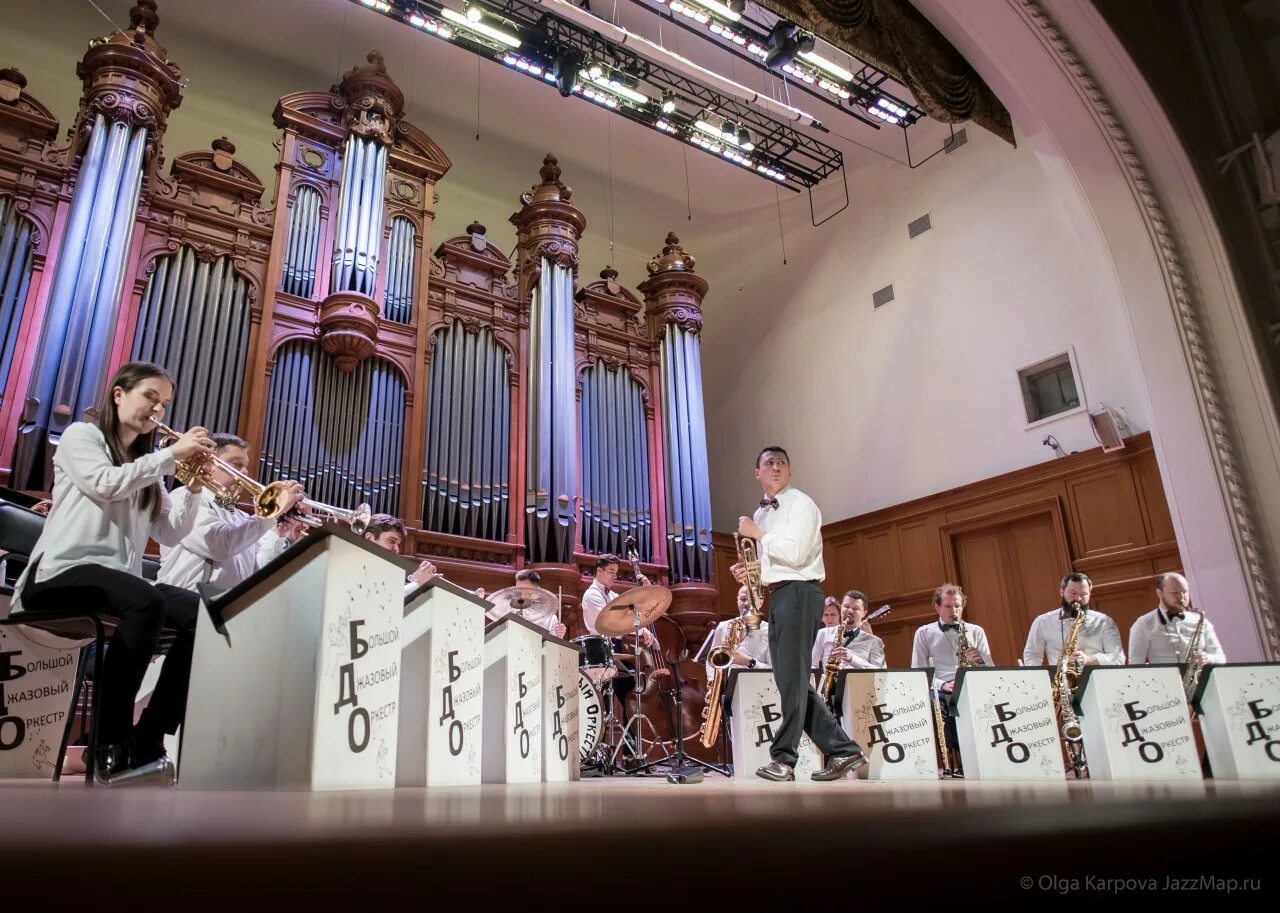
[[268, 500]]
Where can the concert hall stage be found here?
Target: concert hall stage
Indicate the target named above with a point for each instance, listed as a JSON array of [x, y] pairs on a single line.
[[720, 841]]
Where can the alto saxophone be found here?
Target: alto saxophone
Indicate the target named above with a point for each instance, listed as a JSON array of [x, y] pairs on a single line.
[[1191, 678], [721, 658], [832, 666], [1064, 677]]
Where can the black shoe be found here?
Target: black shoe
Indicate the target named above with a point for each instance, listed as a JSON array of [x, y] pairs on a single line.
[[776, 771], [837, 768], [143, 751], [111, 760], [957, 774]]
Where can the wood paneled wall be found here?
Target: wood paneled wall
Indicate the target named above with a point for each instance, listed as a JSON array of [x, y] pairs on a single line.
[[1007, 540]]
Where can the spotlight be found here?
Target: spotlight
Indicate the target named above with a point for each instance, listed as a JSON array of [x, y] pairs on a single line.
[[738, 6], [729, 131], [566, 69], [744, 140], [785, 42], [474, 13], [668, 103], [595, 71]]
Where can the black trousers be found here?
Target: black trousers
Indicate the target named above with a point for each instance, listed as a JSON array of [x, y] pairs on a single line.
[[795, 615], [142, 609]]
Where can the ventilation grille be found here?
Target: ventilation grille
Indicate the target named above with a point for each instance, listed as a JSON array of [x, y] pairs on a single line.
[[954, 143], [919, 226], [881, 297]]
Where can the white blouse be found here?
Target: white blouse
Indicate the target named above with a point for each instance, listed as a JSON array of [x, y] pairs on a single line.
[[97, 516]]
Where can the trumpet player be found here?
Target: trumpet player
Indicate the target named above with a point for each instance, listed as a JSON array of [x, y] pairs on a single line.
[[787, 529], [223, 547], [949, 644], [1165, 634], [1099, 642], [753, 652], [858, 647], [388, 532]]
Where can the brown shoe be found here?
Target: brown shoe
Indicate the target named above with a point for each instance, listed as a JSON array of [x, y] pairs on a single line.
[[837, 768]]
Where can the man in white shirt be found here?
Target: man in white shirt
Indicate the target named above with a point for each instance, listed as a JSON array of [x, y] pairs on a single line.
[[596, 597], [753, 652], [222, 548], [1163, 635], [1099, 643], [531, 580], [860, 648], [787, 528], [938, 644], [388, 532]]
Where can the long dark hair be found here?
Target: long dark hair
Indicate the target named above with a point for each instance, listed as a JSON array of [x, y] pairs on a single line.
[[128, 377]]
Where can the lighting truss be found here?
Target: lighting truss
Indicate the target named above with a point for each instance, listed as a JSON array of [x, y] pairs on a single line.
[[858, 93], [628, 85]]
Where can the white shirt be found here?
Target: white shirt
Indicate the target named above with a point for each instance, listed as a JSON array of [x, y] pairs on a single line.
[[97, 515], [943, 648], [1099, 638], [593, 601], [866, 651], [791, 548], [224, 539], [755, 645], [1155, 639]]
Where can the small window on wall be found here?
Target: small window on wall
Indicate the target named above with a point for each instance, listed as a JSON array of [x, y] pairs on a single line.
[[1050, 388]]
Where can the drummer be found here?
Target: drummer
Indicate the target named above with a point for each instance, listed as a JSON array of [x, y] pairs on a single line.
[[597, 596], [529, 579]]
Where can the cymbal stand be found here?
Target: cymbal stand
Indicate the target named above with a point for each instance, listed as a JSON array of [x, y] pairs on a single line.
[[638, 718]]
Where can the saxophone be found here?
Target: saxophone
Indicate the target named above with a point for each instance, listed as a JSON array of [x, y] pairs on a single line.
[[1191, 678], [1065, 675], [721, 658], [962, 647], [832, 666]]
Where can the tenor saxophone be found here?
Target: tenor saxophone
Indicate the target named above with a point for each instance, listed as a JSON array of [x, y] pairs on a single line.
[[1064, 677], [721, 658]]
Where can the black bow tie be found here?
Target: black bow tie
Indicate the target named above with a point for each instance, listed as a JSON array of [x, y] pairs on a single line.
[[955, 627], [769, 502], [851, 636], [1174, 616]]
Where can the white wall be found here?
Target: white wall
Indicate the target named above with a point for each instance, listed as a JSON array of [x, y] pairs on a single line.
[[879, 407]]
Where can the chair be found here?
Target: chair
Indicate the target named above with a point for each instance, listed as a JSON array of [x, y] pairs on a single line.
[[71, 626]]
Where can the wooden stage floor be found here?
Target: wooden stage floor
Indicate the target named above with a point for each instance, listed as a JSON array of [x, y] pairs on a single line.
[[689, 841]]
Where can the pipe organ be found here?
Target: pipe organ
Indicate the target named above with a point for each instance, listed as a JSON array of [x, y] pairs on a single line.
[[509, 412]]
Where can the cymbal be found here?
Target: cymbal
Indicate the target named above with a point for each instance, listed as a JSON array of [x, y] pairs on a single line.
[[619, 616], [531, 603]]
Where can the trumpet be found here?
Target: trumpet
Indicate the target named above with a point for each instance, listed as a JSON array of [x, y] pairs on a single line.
[[750, 561], [268, 500], [317, 514]]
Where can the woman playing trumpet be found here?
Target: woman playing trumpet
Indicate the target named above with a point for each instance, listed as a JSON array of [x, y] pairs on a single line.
[[108, 500]]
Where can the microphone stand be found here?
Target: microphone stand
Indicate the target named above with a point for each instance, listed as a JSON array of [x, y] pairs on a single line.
[[687, 769]]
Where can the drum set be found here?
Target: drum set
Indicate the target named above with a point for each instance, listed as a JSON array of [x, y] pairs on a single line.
[[608, 742]]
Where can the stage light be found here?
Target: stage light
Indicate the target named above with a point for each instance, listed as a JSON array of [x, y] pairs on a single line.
[[618, 88], [565, 70], [488, 31], [474, 13], [729, 131], [744, 139], [738, 6], [822, 63], [668, 103], [786, 41], [719, 8]]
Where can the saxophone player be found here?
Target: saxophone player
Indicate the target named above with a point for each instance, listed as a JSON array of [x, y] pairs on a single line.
[[753, 652], [858, 647], [949, 644], [1099, 643], [1164, 634]]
